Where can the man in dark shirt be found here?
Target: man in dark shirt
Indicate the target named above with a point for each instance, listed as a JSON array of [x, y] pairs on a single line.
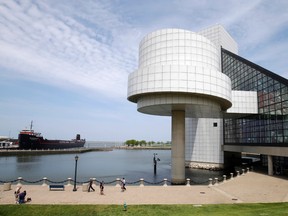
[[22, 197]]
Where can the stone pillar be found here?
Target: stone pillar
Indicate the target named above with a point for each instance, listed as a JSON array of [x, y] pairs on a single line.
[[19, 181], [118, 182], [44, 181], [94, 181], [69, 181], [165, 182], [178, 147], [210, 182], [216, 181], [270, 165], [188, 182], [224, 178], [141, 182]]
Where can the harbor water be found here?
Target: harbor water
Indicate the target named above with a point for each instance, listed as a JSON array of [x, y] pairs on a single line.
[[103, 165]]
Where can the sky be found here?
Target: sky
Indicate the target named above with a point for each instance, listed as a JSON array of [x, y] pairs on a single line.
[[65, 63]]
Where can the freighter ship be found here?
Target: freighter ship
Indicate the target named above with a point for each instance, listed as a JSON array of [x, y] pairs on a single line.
[[29, 139]]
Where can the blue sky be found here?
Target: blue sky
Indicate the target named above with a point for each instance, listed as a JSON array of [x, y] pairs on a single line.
[[64, 63]]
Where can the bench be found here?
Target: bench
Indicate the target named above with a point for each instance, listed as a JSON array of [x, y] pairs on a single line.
[[56, 187]]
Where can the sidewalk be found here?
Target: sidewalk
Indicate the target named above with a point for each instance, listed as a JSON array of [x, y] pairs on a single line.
[[249, 188]]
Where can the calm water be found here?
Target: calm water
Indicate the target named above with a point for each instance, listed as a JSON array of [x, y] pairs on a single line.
[[106, 166]]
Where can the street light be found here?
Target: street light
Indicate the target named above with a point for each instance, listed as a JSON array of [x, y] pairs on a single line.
[[155, 162], [76, 159]]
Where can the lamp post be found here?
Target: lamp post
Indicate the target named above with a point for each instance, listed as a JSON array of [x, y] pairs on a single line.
[[75, 175], [155, 162]]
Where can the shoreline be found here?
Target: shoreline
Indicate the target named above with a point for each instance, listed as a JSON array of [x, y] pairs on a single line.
[[143, 148], [16, 152]]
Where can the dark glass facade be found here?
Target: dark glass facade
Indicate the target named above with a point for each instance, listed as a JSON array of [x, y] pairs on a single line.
[[270, 126]]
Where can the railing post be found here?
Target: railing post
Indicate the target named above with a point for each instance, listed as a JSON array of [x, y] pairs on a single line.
[[216, 181], [224, 178], [243, 171], [141, 182], [248, 169], [93, 181], [210, 182], [232, 175], [165, 182], [188, 182], [19, 181], [117, 182], [44, 181], [238, 173], [69, 182]]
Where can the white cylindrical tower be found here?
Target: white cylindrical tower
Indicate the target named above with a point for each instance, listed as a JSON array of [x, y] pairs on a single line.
[[179, 76]]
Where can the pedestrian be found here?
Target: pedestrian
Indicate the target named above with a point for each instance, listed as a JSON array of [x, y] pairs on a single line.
[[91, 185], [102, 188], [16, 194], [123, 184]]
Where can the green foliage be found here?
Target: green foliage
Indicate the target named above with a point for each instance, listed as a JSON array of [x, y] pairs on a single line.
[[275, 209], [134, 142]]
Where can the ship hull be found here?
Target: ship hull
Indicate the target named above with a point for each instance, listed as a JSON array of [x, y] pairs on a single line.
[[27, 141]]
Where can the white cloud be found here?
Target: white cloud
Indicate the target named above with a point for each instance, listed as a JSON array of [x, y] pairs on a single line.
[[46, 44], [90, 45]]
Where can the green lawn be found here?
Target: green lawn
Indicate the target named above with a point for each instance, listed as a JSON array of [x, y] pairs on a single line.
[[274, 209]]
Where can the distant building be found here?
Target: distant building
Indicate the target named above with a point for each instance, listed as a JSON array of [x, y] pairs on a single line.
[[220, 103]]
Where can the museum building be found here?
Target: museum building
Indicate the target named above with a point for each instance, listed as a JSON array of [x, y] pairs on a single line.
[[221, 105]]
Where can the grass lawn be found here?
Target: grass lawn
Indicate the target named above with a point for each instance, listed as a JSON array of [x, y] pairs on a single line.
[[266, 209]]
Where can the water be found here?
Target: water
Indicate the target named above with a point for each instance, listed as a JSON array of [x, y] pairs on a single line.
[[106, 166]]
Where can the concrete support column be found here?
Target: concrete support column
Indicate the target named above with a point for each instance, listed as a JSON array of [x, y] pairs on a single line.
[[270, 165], [178, 147]]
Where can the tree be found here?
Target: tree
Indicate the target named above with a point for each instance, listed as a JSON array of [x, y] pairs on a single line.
[[131, 142], [134, 142]]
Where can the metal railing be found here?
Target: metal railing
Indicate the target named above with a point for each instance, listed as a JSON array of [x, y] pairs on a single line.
[[140, 182]]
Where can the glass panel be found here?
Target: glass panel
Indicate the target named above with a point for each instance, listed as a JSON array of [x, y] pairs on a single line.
[[270, 128]]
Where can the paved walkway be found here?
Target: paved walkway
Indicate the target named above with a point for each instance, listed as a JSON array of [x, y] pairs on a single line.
[[248, 188]]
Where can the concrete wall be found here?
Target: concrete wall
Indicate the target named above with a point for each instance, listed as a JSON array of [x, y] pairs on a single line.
[[204, 139]]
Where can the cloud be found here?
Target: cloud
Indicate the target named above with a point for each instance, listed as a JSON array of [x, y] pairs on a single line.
[[262, 35], [46, 44], [260, 27], [94, 45]]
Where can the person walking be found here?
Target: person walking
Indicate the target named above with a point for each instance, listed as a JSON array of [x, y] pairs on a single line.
[[102, 188], [123, 184], [91, 185]]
